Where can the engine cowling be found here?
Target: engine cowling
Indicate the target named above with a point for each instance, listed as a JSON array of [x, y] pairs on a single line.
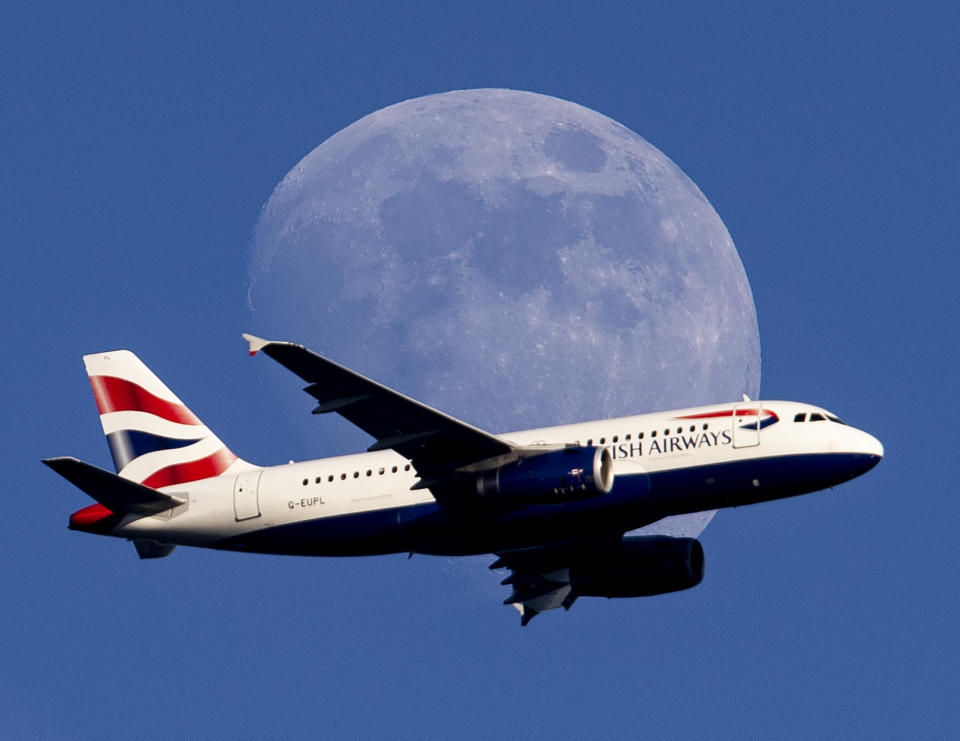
[[556, 476], [639, 566]]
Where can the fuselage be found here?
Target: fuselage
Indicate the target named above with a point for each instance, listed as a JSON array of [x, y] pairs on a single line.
[[665, 463]]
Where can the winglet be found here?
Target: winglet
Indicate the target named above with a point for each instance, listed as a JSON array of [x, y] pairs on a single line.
[[256, 343]]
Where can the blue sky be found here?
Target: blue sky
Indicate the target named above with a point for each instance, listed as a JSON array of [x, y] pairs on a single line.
[[139, 144]]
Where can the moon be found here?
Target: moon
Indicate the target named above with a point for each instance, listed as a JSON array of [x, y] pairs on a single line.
[[513, 259]]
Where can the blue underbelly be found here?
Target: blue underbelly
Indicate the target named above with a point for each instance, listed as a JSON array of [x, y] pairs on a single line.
[[636, 500]]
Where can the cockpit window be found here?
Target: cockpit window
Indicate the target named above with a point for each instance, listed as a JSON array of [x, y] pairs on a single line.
[[817, 417]]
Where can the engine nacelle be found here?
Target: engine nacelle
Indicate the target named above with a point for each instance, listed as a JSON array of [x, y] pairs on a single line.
[[557, 476], [638, 567]]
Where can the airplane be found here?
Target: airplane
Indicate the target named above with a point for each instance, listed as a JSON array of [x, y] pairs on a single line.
[[554, 505]]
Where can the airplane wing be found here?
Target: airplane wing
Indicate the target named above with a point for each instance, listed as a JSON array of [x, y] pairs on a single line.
[[551, 576], [437, 444], [539, 577]]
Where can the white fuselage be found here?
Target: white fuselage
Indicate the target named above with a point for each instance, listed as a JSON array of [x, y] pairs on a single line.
[[682, 457]]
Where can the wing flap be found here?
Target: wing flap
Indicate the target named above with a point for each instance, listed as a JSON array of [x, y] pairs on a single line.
[[539, 577]]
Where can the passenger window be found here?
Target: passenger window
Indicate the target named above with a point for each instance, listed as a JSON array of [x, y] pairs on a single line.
[[319, 479], [330, 477], [615, 438], [356, 474], [653, 434], [603, 440], [305, 481]]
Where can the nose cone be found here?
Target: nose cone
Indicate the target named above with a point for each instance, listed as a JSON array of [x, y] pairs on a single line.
[[874, 447], [867, 444], [867, 450]]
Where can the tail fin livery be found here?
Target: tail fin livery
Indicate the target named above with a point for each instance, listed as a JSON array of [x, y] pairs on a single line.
[[155, 440]]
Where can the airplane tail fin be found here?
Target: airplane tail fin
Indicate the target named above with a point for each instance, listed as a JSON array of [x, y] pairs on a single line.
[[155, 440]]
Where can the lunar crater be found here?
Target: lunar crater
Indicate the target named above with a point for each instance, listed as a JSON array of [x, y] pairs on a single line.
[[575, 150]]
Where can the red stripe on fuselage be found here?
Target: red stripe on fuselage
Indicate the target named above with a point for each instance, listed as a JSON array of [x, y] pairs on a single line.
[[710, 415], [772, 416], [120, 395], [182, 473]]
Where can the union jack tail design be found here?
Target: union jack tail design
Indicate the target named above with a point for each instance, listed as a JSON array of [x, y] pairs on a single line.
[[154, 438]]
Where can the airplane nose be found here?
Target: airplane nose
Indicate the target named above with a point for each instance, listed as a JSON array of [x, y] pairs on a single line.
[[869, 451], [855, 440], [873, 447]]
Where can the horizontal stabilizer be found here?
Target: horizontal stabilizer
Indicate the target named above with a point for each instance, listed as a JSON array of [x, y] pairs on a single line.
[[147, 548], [117, 494]]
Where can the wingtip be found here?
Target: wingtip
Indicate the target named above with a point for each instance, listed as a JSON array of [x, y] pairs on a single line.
[[57, 462], [256, 343]]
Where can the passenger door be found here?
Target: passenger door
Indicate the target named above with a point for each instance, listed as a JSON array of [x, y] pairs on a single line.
[[746, 425]]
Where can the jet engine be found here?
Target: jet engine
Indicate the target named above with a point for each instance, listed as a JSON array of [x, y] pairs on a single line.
[[639, 566], [556, 476]]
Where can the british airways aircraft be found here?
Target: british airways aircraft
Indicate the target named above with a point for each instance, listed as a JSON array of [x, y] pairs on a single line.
[[553, 504]]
